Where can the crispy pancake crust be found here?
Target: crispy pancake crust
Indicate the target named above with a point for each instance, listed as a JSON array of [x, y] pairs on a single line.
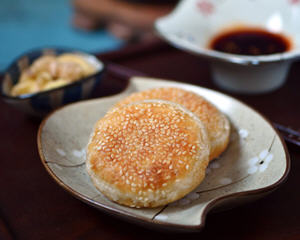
[[217, 124], [148, 154]]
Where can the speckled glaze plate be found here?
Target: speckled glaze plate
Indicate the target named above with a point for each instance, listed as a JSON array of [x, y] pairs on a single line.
[[255, 163]]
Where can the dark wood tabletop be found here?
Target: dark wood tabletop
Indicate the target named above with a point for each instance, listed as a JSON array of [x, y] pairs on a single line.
[[33, 206]]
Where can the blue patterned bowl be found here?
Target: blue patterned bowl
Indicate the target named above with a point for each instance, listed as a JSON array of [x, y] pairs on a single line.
[[41, 103]]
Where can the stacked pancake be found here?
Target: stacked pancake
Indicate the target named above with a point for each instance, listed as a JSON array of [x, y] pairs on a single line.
[[153, 147]]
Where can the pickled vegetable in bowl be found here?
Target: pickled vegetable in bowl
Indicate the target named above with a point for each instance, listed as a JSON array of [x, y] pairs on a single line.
[[49, 72]]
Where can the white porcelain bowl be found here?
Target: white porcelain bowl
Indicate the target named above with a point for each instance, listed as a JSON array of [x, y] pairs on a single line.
[[194, 23]]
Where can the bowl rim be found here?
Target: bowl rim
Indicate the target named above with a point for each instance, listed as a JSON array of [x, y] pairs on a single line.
[[70, 85], [248, 60]]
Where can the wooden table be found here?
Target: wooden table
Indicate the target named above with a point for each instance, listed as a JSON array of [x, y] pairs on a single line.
[[33, 206]]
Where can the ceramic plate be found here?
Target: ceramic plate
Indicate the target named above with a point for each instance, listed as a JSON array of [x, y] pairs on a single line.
[[255, 163]]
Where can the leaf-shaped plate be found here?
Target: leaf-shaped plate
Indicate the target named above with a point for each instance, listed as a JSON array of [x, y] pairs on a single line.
[[255, 163]]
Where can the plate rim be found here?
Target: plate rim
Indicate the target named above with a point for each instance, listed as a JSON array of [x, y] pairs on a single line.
[[133, 217]]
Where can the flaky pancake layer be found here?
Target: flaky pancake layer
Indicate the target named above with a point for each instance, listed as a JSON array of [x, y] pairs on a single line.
[[148, 154], [217, 124]]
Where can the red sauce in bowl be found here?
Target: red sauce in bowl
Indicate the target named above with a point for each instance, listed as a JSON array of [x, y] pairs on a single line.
[[250, 41]]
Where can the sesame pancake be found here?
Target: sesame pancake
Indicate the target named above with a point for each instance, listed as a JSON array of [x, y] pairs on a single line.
[[148, 153], [217, 124]]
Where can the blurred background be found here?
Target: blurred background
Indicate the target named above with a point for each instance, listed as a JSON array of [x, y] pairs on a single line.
[[30, 24], [90, 25]]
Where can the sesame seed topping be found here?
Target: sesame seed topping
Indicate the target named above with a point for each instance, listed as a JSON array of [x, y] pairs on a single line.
[[147, 143]]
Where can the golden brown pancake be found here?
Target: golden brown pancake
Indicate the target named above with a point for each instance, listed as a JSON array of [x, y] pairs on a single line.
[[148, 154], [217, 124]]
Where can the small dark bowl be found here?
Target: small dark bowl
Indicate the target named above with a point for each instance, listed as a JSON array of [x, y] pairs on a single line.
[[41, 103]]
